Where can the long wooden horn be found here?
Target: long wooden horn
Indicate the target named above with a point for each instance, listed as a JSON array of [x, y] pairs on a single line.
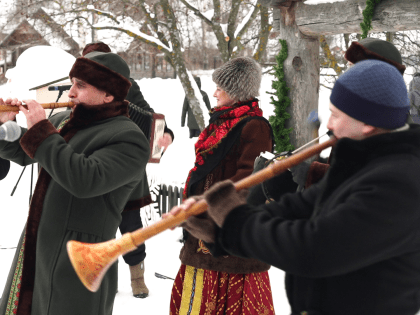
[[10, 108], [91, 261]]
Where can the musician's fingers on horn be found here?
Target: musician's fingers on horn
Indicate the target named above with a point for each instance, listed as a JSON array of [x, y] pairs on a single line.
[[34, 114], [187, 204]]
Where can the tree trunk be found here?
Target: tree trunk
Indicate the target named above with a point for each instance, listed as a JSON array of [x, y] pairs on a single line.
[[153, 64], [178, 61], [302, 76]]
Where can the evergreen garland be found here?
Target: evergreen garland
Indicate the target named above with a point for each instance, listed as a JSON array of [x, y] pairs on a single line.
[[281, 134], [366, 25]]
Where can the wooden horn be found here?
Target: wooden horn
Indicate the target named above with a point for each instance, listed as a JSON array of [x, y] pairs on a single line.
[[91, 261], [10, 108]]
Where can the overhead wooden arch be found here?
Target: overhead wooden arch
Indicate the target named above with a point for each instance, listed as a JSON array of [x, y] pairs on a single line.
[[301, 25]]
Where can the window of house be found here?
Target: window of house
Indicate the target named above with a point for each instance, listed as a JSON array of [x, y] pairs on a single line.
[[146, 62]]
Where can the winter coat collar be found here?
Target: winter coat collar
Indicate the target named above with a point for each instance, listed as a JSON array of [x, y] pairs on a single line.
[[350, 156], [361, 151], [83, 115]]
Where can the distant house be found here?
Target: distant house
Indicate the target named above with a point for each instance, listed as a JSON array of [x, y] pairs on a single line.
[[39, 29]]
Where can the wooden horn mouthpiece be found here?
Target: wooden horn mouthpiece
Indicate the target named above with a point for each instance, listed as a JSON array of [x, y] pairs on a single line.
[[91, 261]]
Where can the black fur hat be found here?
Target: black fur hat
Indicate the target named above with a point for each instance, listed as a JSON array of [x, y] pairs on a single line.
[[240, 78]]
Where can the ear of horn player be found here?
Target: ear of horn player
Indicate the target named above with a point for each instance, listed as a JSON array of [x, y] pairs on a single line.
[[91, 261]]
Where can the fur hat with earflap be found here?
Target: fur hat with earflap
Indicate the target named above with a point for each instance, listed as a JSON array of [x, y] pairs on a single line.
[[240, 78]]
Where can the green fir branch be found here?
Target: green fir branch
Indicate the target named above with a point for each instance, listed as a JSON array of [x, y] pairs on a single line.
[[366, 25], [281, 134]]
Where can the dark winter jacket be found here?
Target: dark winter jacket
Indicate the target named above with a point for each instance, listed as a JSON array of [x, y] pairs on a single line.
[[244, 142], [351, 243], [192, 122], [89, 170]]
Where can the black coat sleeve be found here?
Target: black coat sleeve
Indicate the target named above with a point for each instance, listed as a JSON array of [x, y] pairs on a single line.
[[4, 168]]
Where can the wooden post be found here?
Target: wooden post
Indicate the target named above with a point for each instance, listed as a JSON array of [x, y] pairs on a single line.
[[302, 75]]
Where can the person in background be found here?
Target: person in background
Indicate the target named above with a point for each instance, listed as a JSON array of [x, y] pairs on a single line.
[[414, 97], [131, 219], [349, 244], [192, 122], [92, 158], [307, 174], [226, 149]]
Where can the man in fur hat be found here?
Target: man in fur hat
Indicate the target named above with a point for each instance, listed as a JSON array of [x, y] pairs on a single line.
[[92, 157], [349, 244]]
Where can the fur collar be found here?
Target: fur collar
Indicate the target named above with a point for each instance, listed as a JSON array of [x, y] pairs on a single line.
[[84, 115]]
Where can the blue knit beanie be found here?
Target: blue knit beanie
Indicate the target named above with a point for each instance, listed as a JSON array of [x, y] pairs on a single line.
[[373, 92]]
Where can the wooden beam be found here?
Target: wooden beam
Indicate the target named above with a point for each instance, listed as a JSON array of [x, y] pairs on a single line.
[[346, 16]]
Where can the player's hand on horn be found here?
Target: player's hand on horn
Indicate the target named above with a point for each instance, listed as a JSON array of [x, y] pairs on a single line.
[[34, 114], [6, 116]]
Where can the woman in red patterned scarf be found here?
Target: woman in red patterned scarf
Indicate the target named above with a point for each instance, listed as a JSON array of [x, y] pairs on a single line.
[[226, 149]]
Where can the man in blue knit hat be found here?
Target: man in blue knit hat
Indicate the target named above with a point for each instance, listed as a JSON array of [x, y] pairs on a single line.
[[351, 243]]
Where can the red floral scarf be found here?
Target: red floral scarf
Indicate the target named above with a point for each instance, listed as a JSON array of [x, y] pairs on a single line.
[[222, 120]]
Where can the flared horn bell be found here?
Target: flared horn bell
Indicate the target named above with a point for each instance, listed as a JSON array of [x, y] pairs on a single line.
[[92, 261]]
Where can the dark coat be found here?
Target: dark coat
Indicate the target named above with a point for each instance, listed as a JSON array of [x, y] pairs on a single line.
[[351, 243], [89, 170], [4, 168], [192, 122], [244, 143]]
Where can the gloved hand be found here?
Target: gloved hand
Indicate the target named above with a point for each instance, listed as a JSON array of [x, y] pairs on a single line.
[[223, 198], [201, 227], [300, 173]]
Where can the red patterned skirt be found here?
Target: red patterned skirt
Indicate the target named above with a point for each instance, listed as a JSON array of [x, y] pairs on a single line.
[[206, 292]]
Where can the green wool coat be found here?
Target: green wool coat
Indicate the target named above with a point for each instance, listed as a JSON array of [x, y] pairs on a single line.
[[89, 171]]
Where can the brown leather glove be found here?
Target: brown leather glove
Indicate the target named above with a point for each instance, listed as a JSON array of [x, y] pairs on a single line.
[[201, 227], [223, 198]]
